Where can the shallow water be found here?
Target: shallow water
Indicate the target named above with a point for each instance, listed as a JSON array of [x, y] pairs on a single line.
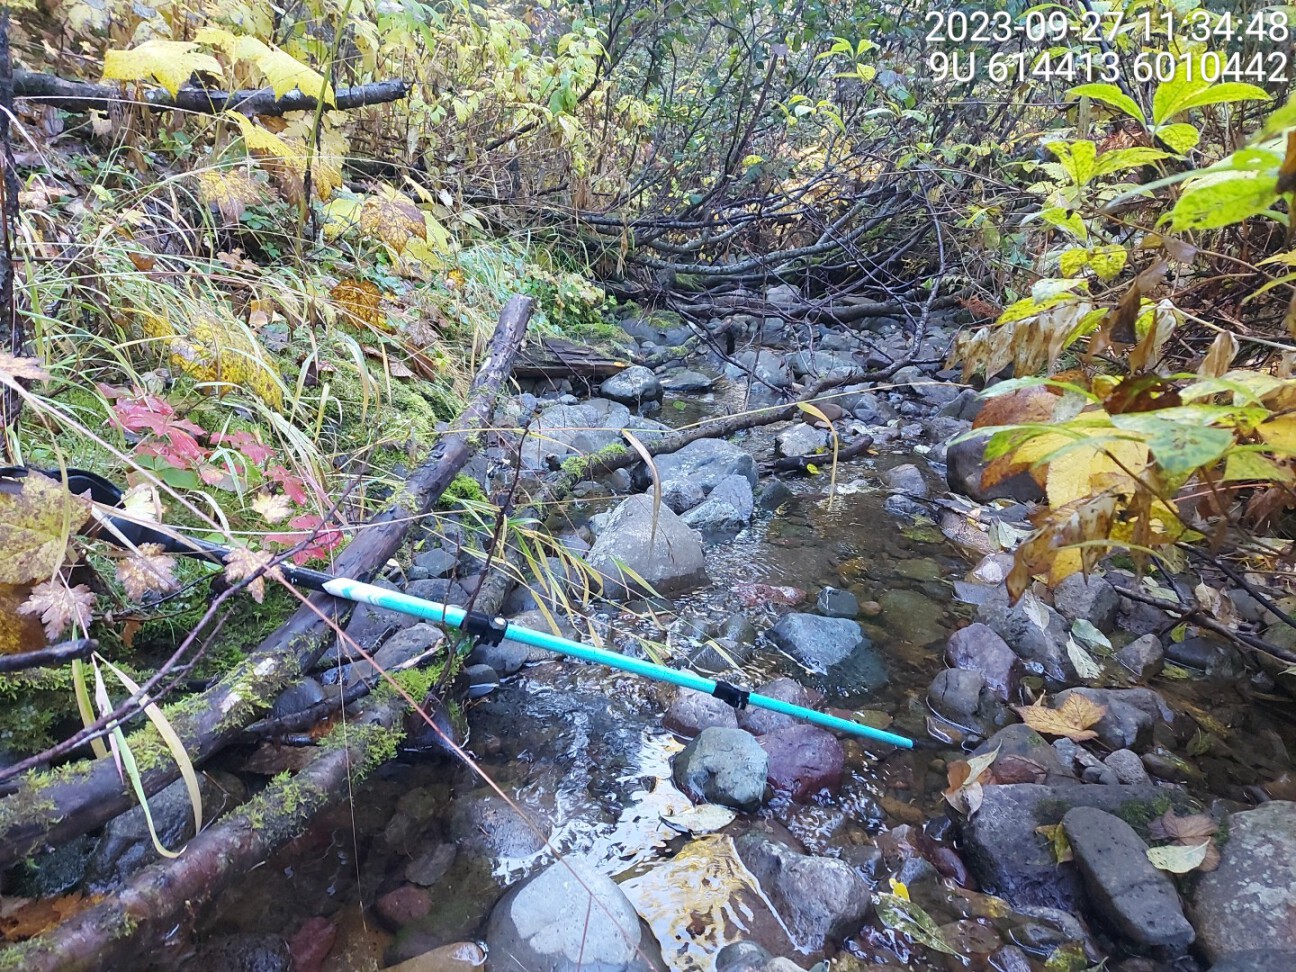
[[580, 749]]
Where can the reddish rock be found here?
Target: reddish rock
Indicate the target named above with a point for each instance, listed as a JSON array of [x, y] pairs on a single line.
[[755, 595], [760, 721], [311, 944], [403, 905], [803, 760]]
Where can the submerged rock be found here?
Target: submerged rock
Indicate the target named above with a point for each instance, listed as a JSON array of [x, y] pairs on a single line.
[[567, 917], [760, 721], [804, 761], [691, 712], [1139, 900], [1247, 902], [725, 766], [670, 559], [833, 602], [817, 641]]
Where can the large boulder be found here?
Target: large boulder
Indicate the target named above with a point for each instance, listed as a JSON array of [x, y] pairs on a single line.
[[670, 559], [736, 490], [1012, 859], [706, 462], [1139, 900], [567, 917], [724, 766], [820, 899], [634, 386], [1249, 900], [815, 640], [977, 648], [566, 430]]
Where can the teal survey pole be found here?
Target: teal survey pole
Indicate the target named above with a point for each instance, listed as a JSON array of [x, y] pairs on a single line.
[[496, 629]]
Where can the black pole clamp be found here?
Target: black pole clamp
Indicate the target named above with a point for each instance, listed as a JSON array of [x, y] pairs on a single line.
[[731, 695], [487, 629]]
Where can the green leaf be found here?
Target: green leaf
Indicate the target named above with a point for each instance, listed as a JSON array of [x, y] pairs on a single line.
[[1178, 448], [1072, 262], [904, 916], [1128, 158], [1111, 95], [1077, 158], [1229, 91], [1169, 94], [1108, 261], [1181, 136], [1224, 203], [1066, 221], [1244, 465]]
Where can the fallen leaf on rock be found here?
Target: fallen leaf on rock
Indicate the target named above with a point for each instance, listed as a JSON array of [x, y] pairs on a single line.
[[24, 918], [965, 791], [754, 595], [902, 915], [703, 819], [1178, 858], [1013, 768], [1194, 830], [1072, 720], [1058, 843]]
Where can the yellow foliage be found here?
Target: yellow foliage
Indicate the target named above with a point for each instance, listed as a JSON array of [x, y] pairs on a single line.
[[170, 63], [223, 351], [281, 70], [229, 191], [1072, 720]]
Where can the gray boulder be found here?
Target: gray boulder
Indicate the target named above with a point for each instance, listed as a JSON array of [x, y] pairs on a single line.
[[767, 366], [1041, 649], [1090, 598], [724, 766], [817, 641], [1131, 714], [565, 918], [737, 492], [686, 381], [1143, 656], [706, 462], [1247, 902], [955, 693], [820, 899], [964, 464], [716, 520], [669, 559], [1139, 900], [681, 495], [800, 440], [907, 479], [634, 386]]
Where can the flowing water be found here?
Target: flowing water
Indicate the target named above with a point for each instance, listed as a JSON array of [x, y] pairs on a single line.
[[581, 750]]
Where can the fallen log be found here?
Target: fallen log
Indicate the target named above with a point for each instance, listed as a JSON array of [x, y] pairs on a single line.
[[47, 89], [172, 893], [84, 796], [853, 449]]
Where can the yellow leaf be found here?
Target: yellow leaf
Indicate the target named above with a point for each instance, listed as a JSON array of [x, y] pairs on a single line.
[[393, 218], [230, 192], [37, 516], [1279, 433], [360, 300], [283, 71], [170, 63], [260, 141], [1073, 720]]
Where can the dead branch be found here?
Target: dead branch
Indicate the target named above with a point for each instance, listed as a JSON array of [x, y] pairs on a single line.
[[47, 89], [53, 655], [87, 796]]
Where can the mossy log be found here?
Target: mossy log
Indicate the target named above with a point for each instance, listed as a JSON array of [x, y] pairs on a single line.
[[48, 809]]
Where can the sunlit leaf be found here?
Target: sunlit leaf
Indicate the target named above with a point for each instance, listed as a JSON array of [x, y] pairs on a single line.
[[1072, 720], [37, 517], [170, 63]]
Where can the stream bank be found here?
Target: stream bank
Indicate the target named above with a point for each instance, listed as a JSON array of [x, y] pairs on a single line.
[[883, 602]]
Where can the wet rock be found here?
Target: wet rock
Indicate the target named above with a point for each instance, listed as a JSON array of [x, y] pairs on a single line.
[[1139, 900], [669, 558], [1207, 655], [561, 431], [311, 944], [706, 462], [686, 381], [800, 440], [819, 899], [836, 603], [691, 712], [127, 845], [1020, 740], [482, 822], [817, 641], [632, 387], [955, 693], [1010, 958], [481, 679], [716, 520], [803, 761], [1143, 656], [567, 917], [977, 648], [964, 464], [820, 363], [243, 953], [899, 505], [1127, 766], [1091, 598], [437, 562], [431, 866], [1256, 960], [402, 647], [725, 766], [925, 387], [1011, 859], [737, 492], [907, 479], [742, 957], [298, 697], [871, 409], [760, 721], [509, 656], [681, 495], [454, 957], [1041, 649], [402, 905], [1246, 902], [775, 494], [1131, 714], [768, 367]]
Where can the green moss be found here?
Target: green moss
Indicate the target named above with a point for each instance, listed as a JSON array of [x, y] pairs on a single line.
[[578, 467], [34, 705], [18, 956], [1139, 813], [462, 487]]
